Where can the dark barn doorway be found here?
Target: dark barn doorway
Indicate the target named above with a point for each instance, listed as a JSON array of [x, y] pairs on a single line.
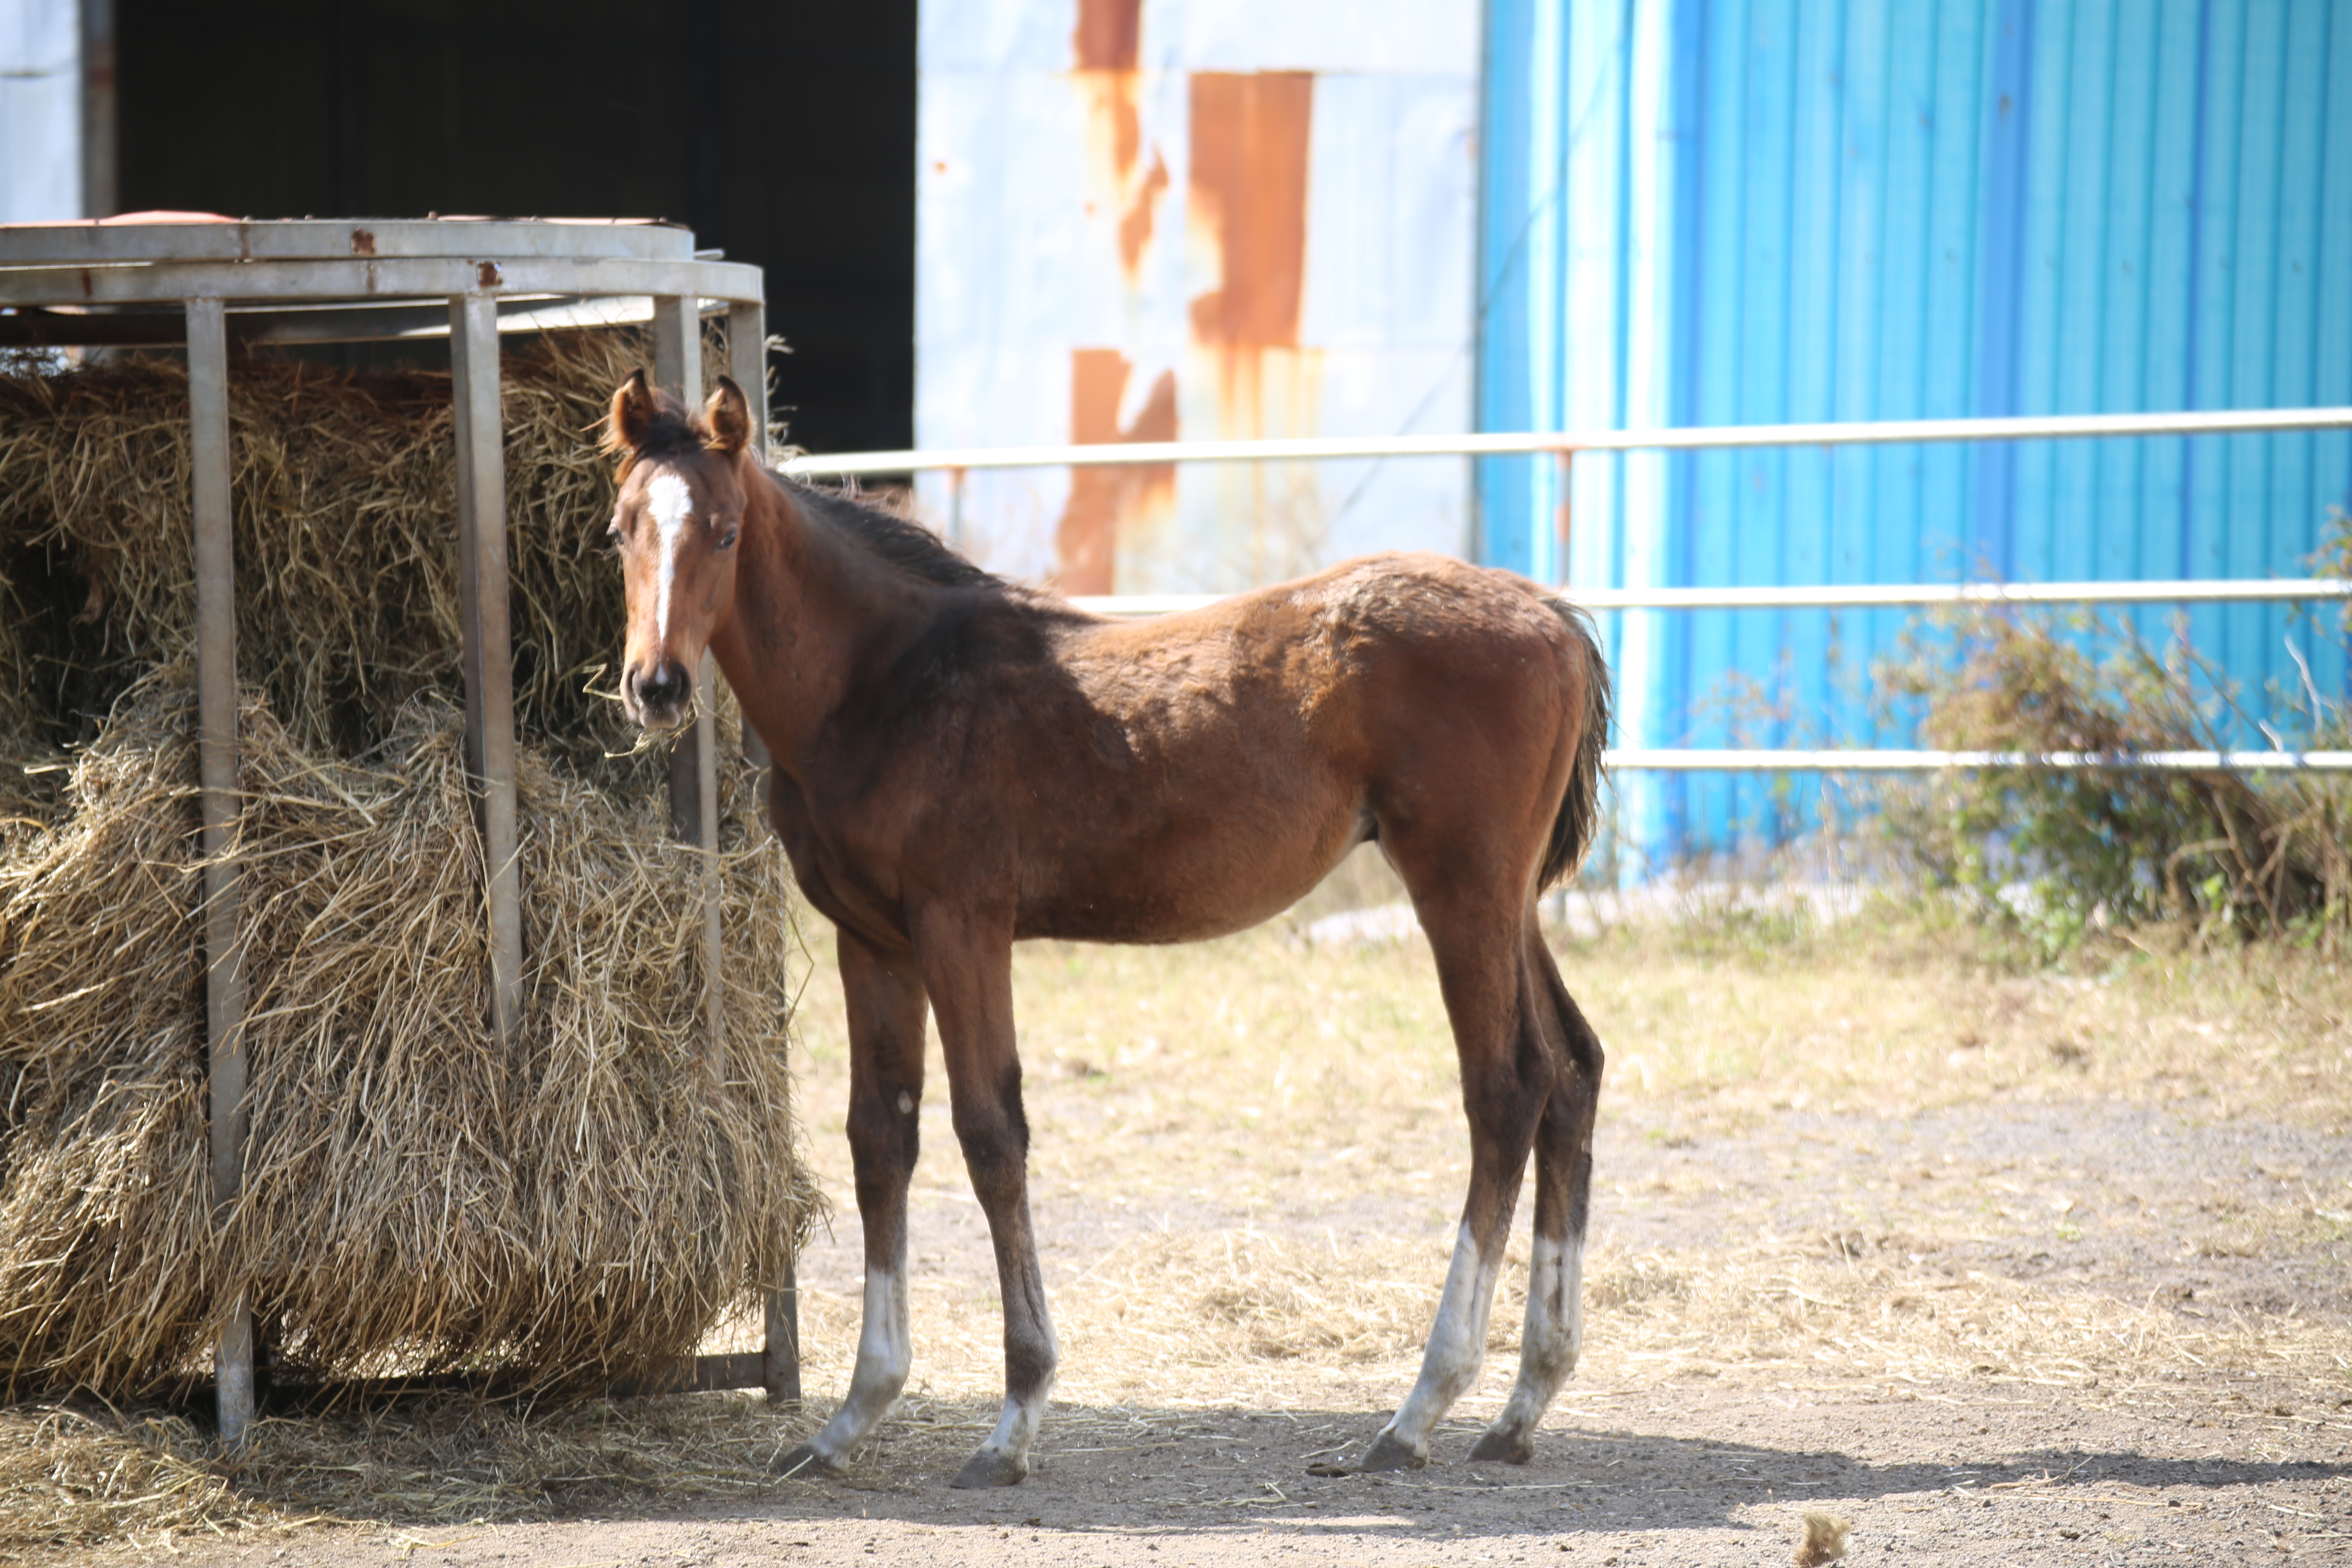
[[781, 131]]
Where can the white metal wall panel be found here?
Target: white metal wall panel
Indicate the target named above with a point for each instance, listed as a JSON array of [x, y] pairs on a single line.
[[1080, 277], [40, 111]]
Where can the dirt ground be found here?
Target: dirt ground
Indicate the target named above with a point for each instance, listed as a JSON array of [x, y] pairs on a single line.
[[1989, 1264]]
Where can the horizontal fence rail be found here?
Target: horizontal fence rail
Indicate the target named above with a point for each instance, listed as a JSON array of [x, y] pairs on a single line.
[[1531, 443], [1687, 760], [1860, 595], [1567, 444]]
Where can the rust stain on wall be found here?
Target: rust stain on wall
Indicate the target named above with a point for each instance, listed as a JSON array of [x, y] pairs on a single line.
[[1086, 542], [1249, 191], [1109, 35], [1105, 46], [1135, 224]]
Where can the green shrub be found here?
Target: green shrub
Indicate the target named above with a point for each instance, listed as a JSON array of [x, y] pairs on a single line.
[[2063, 852]]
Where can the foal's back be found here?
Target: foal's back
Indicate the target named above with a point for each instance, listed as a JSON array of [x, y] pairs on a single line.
[[1184, 776]]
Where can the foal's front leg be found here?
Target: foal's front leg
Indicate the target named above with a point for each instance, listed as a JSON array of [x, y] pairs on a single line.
[[886, 999], [967, 963]]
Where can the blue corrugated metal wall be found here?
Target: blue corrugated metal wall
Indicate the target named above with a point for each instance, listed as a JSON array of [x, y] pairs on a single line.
[[1741, 210]]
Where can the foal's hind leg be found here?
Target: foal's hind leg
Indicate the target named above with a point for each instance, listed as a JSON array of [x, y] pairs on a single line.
[[1555, 1323], [968, 966], [886, 1096], [1509, 1073]]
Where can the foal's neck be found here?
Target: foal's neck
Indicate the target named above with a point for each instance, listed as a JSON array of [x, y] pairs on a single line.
[[811, 606]]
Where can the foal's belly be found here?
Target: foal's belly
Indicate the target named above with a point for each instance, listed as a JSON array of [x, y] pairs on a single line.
[[1192, 888]]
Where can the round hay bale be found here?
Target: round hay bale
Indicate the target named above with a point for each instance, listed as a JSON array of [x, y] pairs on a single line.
[[415, 1198]]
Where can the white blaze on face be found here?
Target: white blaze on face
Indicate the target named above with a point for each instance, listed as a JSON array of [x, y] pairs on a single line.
[[671, 501]]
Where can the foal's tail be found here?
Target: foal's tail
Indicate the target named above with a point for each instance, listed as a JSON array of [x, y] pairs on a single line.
[[1579, 808]]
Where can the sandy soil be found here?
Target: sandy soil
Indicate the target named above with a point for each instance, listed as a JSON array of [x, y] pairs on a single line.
[[2065, 1310]]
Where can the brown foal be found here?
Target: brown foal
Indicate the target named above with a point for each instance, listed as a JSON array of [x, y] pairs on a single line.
[[961, 763]]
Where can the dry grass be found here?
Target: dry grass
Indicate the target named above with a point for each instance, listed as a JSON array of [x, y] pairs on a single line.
[[1178, 1086], [1155, 1336], [77, 1475], [1823, 1541], [1275, 1322], [414, 1198], [1251, 1074], [1262, 1072]]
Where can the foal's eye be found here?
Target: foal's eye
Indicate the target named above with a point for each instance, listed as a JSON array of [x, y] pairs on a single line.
[[727, 540], [613, 537]]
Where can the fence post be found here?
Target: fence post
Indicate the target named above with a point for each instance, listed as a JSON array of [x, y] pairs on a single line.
[[747, 362], [489, 642], [1561, 515], [693, 758], [216, 567]]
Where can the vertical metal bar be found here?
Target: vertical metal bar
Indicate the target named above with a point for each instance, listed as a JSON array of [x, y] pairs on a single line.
[[216, 567], [1565, 458], [781, 1359], [694, 761], [100, 162], [489, 642], [705, 788], [955, 508], [747, 362], [677, 347], [677, 370]]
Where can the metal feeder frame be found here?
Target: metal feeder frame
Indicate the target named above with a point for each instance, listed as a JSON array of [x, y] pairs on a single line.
[[197, 282]]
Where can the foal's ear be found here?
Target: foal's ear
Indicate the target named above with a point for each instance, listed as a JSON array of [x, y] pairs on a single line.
[[631, 417], [730, 418]]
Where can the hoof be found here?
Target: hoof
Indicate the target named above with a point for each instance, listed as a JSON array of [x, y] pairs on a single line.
[[804, 1463], [990, 1469], [1494, 1443], [1388, 1452]]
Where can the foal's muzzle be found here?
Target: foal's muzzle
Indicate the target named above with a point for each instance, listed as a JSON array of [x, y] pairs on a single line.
[[660, 695]]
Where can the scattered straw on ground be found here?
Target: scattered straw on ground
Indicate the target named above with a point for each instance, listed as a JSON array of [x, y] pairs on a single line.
[[77, 1474], [1823, 1541], [413, 1196], [1242, 1316]]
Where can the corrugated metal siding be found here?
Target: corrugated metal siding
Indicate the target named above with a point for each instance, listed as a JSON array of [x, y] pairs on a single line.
[[40, 111], [1779, 210], [1148, 218]]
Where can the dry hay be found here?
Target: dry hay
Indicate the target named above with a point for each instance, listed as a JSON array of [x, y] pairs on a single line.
[[1244, 1317], [1156, 1328], [1822, 1541], [345, 488], [413, 1199], [78, 1475]]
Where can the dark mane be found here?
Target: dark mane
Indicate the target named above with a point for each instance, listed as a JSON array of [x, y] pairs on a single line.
[[902, 541]]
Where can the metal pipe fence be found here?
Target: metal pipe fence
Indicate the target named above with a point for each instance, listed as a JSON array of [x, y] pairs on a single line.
[[1566, 445], [1533, 443]]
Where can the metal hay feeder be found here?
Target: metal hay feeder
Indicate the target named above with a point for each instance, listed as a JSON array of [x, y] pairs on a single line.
[[187, 279]]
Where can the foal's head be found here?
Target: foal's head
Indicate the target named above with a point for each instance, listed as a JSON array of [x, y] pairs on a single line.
[[674, 528]]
